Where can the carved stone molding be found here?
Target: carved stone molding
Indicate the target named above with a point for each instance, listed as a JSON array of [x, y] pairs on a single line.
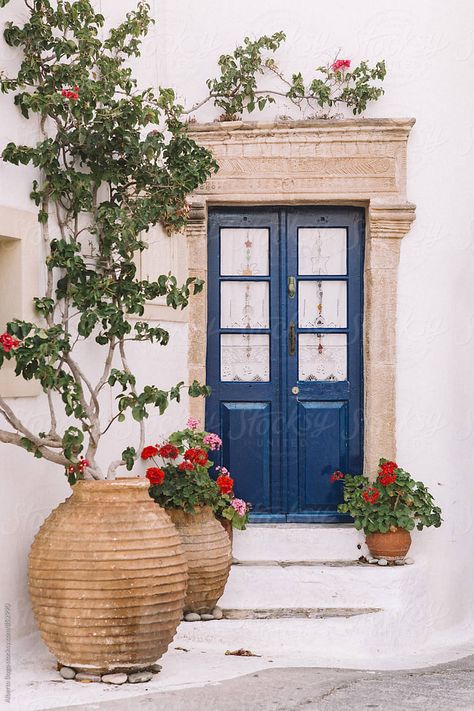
[[390, 221], [349, 162]]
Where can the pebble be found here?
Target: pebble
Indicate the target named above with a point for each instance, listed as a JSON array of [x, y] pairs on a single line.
[[382, 561], [400, 562], [409, 561], [206, 618], [373, 561], [114, 678], [192, 617], [140, 677], [217, 613], [83, 676], [155, 668], [67, 672]]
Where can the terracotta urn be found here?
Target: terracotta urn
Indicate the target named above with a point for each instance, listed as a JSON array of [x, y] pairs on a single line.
[[227, 526], [107, 577], [208, 552], [393, 545]]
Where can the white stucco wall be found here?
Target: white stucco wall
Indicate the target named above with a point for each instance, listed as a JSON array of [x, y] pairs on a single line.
[[429, 50]]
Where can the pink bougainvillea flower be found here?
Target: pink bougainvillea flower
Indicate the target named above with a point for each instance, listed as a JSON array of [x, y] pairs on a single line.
[[8, 342], [341, 64], [70, 93]]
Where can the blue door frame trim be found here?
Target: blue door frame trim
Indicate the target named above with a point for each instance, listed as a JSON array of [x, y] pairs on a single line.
[[287, 423]]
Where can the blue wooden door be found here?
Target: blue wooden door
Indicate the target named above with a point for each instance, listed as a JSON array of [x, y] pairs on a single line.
[[284, 354]]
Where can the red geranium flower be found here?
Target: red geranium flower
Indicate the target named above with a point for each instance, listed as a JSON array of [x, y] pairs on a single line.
[[371, 495], [225, 483], [149, 452], [197, 456], [386, 479], [8, 342], [387, 473], [169, 451], [388, 467], [155, 475], [186, 466], [337, 476]]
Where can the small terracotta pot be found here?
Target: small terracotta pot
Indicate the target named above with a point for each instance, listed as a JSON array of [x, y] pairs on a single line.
[[107, 577], [208, 552], [393, 545], [227, 526]]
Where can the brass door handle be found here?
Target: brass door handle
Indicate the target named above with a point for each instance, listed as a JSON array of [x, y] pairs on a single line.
[[292, 339], [291, 287]]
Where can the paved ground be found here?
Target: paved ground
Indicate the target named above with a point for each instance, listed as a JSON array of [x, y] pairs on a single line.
[[447, 686]]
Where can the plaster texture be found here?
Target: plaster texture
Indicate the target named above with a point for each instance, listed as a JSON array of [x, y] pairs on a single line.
[[429, 50], [447, 686], [197, 672]]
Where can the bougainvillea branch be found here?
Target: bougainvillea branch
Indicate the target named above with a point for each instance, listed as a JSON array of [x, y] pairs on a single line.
[[334, 84], [112, 162]]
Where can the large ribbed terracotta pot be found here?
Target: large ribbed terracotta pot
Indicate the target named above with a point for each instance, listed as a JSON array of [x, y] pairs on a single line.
[[208, 552], [107, 577], [393, 545]]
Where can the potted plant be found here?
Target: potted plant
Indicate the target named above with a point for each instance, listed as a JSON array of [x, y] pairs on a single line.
[[230, 511], [107, 573], [388, 508], [181, 484]]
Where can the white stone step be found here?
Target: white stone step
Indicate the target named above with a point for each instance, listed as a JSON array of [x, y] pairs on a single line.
[[254, 587], [298, 542]]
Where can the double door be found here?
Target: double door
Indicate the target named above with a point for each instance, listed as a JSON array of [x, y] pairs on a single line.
[[284, 354]]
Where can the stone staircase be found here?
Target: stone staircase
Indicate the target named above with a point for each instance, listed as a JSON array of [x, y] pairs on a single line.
[[302, 588]]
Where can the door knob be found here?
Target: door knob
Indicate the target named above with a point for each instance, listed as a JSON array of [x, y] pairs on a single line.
[[295, 390]]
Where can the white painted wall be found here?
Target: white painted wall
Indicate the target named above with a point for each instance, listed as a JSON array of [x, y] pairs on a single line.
[[428, 47]]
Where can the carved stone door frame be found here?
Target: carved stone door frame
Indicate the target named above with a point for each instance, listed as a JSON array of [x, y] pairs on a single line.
[[349, 162]]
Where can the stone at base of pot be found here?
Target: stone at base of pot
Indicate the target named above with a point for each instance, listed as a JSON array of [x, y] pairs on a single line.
[[67, 672], [134, 677], [140, 677], [215, 614], [87, 678], [114, 679], [393, 545]]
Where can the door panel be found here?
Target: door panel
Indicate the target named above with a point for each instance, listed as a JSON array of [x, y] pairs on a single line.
[[284, 354], [322, 437], [247, 434]]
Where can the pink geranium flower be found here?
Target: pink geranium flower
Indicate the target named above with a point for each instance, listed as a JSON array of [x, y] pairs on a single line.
[[213, 441]]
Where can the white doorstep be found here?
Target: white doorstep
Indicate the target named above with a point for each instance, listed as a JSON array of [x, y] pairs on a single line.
[[318, 586], [298, 542]]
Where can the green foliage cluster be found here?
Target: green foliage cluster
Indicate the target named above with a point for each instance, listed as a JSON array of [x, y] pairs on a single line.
[[113, 160], [236, 89], [405, 503]]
